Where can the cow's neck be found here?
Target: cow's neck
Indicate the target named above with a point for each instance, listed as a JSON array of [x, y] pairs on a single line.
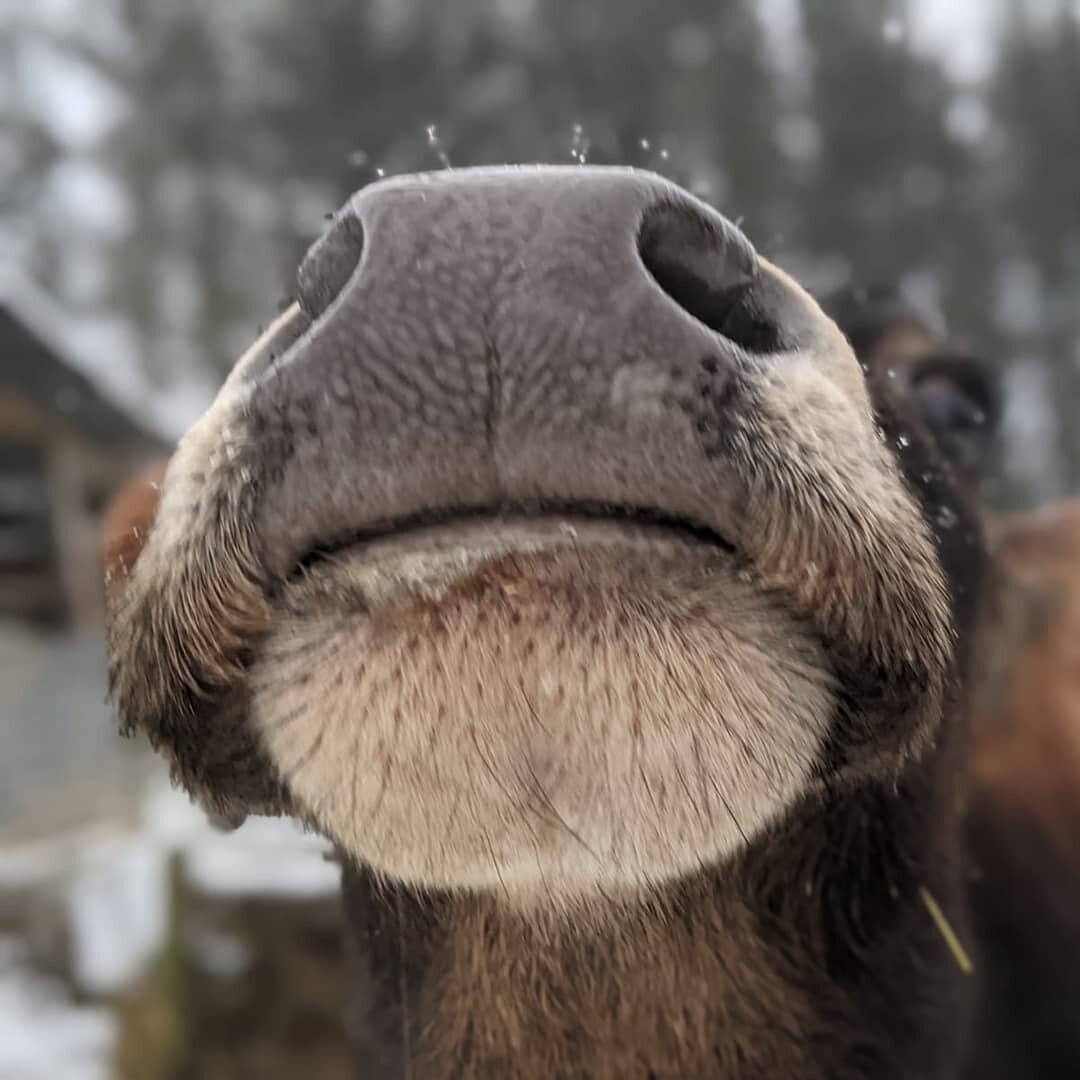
[[814, 955]]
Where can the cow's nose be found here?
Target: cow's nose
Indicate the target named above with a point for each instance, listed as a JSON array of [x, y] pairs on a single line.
[[702, 261], [330, 262], [488, 339]]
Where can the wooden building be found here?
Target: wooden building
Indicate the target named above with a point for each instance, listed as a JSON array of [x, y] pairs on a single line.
[[64, 448]]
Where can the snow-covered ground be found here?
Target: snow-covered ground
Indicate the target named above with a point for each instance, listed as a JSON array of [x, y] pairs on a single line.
[[111, 881], [44, 1035]]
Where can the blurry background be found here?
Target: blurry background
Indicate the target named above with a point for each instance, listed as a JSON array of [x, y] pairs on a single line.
[[164, 164]]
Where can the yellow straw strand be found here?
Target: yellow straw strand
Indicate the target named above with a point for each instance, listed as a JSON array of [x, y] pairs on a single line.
[[963, 961]]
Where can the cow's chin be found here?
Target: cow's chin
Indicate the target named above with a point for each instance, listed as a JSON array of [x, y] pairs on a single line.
[[550, 710]]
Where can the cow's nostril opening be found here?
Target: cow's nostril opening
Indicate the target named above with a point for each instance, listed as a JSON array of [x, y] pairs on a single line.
[[708, 268], [330, 263]]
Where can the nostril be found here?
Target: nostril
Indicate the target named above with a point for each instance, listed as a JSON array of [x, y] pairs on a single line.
[[708, 268], [330, 263]]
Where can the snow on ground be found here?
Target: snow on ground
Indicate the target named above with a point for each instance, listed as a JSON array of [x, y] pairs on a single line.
[[43, 1034], [113, 881], [114, 878]]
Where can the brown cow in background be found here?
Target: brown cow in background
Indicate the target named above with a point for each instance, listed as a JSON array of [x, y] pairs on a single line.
[[1024, 812]]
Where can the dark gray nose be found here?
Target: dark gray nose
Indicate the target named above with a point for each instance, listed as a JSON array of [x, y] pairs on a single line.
[[490, 338]]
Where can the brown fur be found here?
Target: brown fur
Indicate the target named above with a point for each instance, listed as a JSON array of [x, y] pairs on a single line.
[[1028, 713], [615, 800], [1025, 814], [740, 973]]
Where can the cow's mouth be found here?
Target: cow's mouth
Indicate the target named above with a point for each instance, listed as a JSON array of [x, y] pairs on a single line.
[[425, 554], [544, 523]]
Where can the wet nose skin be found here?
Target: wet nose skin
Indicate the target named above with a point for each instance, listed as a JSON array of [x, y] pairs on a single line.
[[489, 338]]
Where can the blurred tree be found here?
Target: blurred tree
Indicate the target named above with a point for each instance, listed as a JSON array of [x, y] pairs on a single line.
[[681, 87], [28, 149], [175, 157], [891, 189], [1034, 160]]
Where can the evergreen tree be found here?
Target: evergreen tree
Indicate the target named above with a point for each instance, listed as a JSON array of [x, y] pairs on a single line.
[[889, 189], [1035, 165]]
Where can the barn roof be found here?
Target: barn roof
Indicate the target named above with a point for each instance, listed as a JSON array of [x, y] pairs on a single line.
[[41, 360]]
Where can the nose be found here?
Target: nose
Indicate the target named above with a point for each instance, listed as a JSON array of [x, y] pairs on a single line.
[[495, 337]]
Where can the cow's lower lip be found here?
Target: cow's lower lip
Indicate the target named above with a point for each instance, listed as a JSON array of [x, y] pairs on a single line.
[[427, 558], [473, 530]]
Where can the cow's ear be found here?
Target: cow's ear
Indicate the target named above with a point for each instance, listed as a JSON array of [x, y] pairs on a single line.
[[959, 399], [128, 519]]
